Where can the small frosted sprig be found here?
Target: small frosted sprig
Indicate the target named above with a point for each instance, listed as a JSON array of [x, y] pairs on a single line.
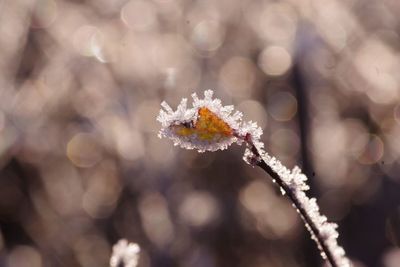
[[209, 126], [125, 254]]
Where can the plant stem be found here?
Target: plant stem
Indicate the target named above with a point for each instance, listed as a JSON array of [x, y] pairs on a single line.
[[304, 215]]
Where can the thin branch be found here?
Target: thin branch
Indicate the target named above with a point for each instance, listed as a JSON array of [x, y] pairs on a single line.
[[304, 215]]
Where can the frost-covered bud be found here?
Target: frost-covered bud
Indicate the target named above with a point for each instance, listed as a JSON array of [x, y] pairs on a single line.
[[125, 254], [206, 126]]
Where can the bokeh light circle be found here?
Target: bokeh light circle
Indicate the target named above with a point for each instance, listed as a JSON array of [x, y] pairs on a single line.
[[282, 106], [275, 60]]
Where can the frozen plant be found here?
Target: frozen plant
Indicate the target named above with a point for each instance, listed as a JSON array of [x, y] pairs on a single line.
[[125, 254], [210, 126]]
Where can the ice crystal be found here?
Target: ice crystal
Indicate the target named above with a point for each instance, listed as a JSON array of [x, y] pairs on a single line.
[[125, 254], [295, 180], [209, 126], [206, 126]]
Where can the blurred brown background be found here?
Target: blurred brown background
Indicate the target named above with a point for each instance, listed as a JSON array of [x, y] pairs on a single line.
[[81, 164]]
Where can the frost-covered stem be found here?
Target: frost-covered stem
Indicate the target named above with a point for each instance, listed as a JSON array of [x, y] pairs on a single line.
[[209, 126], [296, 203]]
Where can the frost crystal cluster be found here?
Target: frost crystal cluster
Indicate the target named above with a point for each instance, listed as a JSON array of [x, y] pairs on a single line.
[[209, 126], [206, 126], [326, 234], [125, 254]]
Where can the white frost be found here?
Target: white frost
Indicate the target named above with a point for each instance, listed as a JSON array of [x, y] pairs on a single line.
[[167, 117], [296, 182], [125, 253]]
